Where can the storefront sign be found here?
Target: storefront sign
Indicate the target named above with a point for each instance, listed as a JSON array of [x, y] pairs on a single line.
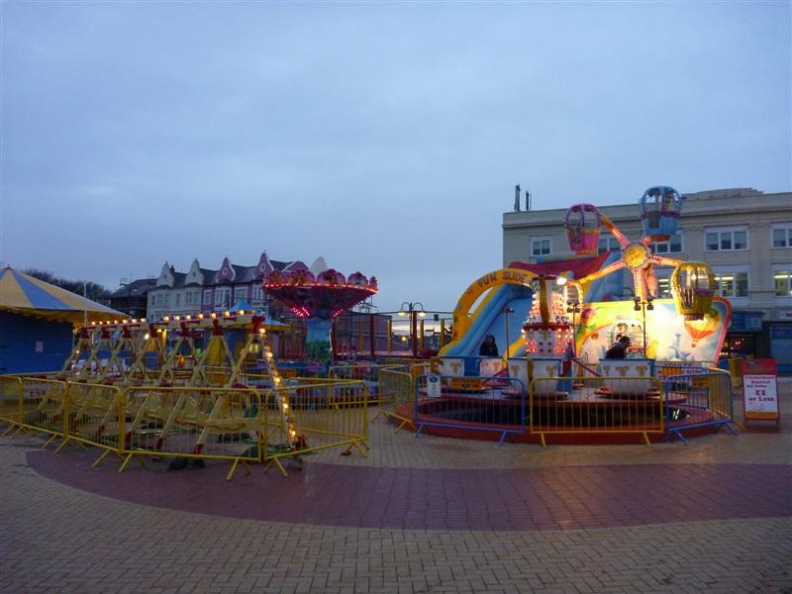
[[760, 390]]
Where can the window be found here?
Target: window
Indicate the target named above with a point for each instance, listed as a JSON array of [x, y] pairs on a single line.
[[207, 297], [257, 295], [178, 299], [240, 293], [731, 284], [540, 246], [672, 246], [719, 240], [782, 236], [223, 297], [783, 282], [608, 243], [663, 284]]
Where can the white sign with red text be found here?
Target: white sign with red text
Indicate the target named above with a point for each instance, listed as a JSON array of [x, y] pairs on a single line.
[[760, 390]]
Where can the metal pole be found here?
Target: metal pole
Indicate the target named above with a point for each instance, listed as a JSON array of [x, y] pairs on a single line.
[[414, 331], [85, 305], [643, 327], [507, 311]]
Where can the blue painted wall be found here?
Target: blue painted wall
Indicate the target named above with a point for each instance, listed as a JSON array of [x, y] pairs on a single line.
[[29, 344]]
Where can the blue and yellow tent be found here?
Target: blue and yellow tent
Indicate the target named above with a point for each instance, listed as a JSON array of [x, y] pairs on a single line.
[[24, 294], [37, 322]]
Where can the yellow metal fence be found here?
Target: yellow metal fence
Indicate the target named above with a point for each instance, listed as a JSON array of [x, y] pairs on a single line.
[[590, 408], [395, 392], [243, 424]]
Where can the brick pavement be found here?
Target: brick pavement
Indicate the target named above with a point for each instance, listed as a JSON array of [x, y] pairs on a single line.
[[416, 515]]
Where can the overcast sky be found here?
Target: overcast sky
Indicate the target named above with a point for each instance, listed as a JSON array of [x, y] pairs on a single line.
[[386, 137]]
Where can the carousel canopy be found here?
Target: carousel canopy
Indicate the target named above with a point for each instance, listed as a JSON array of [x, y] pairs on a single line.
[[24, 294]]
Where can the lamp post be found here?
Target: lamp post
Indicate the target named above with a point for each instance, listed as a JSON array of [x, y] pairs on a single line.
[[574, 308], [643, 305], [507, 311], [413, 309]]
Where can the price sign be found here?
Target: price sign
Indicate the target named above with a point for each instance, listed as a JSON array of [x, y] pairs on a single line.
[[760, 390]]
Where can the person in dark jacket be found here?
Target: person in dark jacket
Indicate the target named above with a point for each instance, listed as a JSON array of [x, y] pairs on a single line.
[[619, 348], [489, 348]]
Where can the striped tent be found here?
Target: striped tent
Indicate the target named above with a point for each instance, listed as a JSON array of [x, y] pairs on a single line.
[[23, 294]]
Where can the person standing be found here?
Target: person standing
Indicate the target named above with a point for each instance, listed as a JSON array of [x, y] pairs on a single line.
[[489, 347]]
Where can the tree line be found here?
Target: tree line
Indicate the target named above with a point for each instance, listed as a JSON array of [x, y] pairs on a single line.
[[93, 291]]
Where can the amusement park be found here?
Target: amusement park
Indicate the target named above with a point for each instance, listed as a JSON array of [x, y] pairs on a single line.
[[238, 386]]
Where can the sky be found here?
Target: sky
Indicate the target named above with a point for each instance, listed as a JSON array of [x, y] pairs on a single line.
[[386, 137]]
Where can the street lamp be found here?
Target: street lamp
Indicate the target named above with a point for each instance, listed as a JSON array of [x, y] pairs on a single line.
[[413, 309], [574, 307], [506, 312], [643, 305]]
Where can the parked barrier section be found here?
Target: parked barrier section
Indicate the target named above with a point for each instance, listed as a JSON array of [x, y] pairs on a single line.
[[395, 391], [699, 400], [93, 415], [470, 405], [357, 371], [666, 369], [43, 406], [591, 407], [324, 415], [192, 423], [11, 401]]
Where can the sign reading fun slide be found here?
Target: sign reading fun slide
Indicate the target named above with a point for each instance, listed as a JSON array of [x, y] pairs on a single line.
[[760, 390]]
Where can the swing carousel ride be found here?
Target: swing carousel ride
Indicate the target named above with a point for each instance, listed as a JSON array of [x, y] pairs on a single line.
[[319, 299]]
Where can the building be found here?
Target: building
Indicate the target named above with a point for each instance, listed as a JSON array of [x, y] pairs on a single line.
[[743, 234], [132, 298], [232, 287], [203, 290]]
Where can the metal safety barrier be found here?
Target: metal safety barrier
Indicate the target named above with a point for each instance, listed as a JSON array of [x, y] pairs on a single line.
[[395, 391], [322, 415], [357, 371], [469, 405], [191, 424], [93, 415], [626, 405], [700, 399], [11, 401], [41, 407], [666, 369]]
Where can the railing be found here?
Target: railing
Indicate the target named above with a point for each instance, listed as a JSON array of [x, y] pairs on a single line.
[[591, 408], [93, 414], [325, 415], [394, 393], [665, 369], [358, 371], [41, 404], [482, 405], [190, 424], [705, 400], [12, 400]]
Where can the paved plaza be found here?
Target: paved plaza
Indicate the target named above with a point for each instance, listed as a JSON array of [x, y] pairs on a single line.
[[415, 515]]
